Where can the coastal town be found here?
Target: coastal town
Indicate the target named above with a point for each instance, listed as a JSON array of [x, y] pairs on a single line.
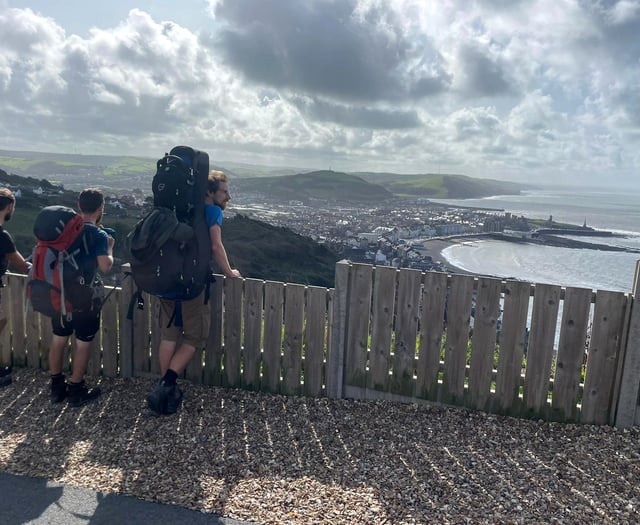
[[393, 233], [410, 232]]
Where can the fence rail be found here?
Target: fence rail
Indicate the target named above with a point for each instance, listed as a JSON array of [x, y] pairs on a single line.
[[508, 347]]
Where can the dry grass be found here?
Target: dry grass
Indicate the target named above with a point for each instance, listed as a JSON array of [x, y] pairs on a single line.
[[272, 459]]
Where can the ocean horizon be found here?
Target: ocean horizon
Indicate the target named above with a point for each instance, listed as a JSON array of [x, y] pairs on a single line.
[[614, 211]]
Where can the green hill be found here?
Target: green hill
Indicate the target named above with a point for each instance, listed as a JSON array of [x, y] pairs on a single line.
[[263, 251], [438, 186], [362, 188], [275, 184], [330, 186]]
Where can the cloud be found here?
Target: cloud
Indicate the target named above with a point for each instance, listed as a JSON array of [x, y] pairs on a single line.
[[482, 75], [484, 87], [342, 49], [356, 116]]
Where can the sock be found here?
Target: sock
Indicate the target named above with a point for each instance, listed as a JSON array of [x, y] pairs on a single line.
[[170, 377]]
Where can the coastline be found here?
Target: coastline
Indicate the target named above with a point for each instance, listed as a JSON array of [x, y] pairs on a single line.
[[434, 248]]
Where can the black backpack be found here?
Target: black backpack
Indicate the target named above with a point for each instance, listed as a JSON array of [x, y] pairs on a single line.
[[169, 248], [174, 184]]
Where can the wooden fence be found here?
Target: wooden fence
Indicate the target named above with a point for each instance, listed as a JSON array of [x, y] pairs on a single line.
[[507, 347]]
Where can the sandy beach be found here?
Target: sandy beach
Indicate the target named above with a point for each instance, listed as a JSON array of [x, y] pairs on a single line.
[[434, 248]]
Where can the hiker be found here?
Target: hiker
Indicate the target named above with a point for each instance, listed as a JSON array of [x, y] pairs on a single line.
[[166, 397], [9, 255], [84, 323]]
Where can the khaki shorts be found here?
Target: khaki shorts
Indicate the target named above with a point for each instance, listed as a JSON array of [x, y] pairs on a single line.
[[196, 319]]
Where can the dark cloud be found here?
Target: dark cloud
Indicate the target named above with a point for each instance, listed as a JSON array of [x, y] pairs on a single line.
[[356, 117], [322, 47], [484, 76], [618, 26]]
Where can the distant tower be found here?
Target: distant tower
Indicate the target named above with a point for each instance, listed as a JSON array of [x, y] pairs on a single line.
[[585, 223]]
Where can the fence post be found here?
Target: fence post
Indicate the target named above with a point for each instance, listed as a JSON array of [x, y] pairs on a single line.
[[126, 325], [337, 329], [630, 381]]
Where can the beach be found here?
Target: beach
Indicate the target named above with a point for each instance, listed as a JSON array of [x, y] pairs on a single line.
[[434, 247]]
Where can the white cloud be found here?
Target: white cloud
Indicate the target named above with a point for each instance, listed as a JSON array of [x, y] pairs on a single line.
[[488, 88]]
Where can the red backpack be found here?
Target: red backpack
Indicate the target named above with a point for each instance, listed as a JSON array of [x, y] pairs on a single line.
[[57, 284]]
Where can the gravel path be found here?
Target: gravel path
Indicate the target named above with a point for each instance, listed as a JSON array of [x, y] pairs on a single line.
[[272, 459]]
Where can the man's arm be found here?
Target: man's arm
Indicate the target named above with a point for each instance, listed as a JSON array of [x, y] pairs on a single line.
[[105, 262], [16, 260], [219, 253]]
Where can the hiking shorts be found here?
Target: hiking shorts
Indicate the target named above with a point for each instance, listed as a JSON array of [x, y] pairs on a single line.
[[84, 324], [196, 320]]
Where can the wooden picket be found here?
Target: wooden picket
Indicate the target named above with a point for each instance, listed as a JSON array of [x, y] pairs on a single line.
[[510, 347]]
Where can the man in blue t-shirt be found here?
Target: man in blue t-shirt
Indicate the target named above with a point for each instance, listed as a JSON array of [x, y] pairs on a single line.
[[84, 323], [166, 397]]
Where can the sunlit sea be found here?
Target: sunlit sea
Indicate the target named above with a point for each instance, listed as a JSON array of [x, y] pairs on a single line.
[[607, 210]]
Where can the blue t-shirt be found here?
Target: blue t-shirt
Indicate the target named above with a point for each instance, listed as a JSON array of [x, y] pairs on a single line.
[[214, 216], [97, 242]]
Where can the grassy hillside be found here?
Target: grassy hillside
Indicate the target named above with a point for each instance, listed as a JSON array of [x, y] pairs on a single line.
[[262, 251], [443, 186], [38, 163], [328, 186], [113, 172], [331, 186]]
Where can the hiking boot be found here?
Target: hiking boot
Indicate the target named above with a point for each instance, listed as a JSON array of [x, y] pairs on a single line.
[[78, 394], [58, 389], [5, 376], [173, 400], [157, 398]]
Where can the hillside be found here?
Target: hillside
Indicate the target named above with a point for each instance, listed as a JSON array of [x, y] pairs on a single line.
[[79, 171], [438, 186], [257, 249], [274, 253], [329, 186], [115, 172], [362, 188]]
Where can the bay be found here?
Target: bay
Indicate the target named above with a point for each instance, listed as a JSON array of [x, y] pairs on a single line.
[[615, 211]]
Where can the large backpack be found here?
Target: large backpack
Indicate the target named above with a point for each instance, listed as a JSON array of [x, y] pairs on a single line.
[[169, 248], [57, 282]]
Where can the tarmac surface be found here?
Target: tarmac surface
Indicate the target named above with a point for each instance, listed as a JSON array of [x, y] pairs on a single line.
[[27, 500]]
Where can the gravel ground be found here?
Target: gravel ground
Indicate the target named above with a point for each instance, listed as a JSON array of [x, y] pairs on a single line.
[[273, 459]]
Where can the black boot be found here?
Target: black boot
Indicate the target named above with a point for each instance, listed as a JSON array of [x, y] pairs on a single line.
[[78, 394], [58, 388], [5, 376]]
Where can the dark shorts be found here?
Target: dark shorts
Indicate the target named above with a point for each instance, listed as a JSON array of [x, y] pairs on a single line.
[[84, 324], [195, 321]]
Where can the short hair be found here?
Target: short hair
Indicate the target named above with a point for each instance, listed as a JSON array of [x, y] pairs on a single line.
[[6, 198], [214, 180], [90, 200]]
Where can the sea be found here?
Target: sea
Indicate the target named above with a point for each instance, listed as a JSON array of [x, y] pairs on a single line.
[[612, 210]]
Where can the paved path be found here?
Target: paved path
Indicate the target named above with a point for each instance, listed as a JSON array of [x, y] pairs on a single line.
[[38, 501]]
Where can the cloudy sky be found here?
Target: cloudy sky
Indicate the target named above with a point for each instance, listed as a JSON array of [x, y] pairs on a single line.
[[545, 90]]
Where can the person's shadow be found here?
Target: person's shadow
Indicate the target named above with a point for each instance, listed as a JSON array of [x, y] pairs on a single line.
[[23, 498]]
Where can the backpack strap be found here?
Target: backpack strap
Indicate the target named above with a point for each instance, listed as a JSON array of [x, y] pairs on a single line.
[[176, 316], [138, 301], [60, 267]]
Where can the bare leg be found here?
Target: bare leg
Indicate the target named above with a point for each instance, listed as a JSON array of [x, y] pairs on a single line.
[[56, 354], [80, 361], [177, 360], [166, 350], [181, 358]]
